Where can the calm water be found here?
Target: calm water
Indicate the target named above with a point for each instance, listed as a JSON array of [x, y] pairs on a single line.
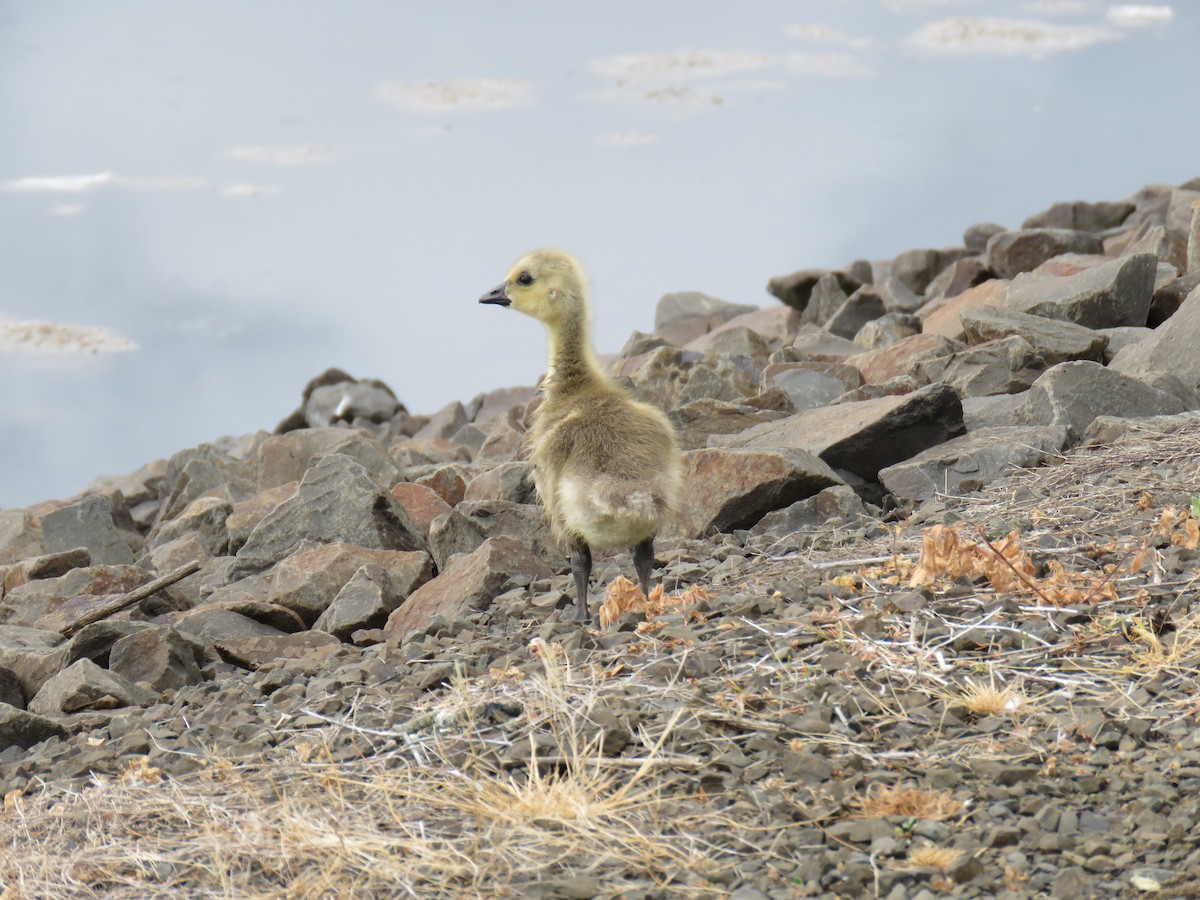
[[249, 193]]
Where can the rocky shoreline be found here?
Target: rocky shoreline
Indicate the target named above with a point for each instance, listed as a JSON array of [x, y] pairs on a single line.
[[928, 624]]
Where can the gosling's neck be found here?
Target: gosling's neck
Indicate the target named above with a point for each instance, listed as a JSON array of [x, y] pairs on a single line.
[[573, 366]]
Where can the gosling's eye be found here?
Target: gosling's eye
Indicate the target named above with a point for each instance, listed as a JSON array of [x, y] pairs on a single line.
[[525, 278]]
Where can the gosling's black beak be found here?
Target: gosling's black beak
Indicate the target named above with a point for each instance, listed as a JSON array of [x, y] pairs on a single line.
[[497, 296]]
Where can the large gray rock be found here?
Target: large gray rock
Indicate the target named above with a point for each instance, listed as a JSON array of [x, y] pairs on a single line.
[[856, 311], [308, 580], [725, 490], [84, 685], [814, 342], [1072, 394], [971, 461], [472, 582], [1055, 341], [444, 423], [695, 422], [888, 329], [204, 520], [916, 269], [95, 641], [11, 691], [57, 602], [336, 501], [32, 654], [1107, 295], [796, 289], [861, 437], [159, 656], [962, 275], [366, 601], [692, 305], [35, 568], [976, 237], [209, 624], [1081, 216], [1174, 347], [89, 523], [1006, 365], [834, 505], [808, 387], [827, 297], [287, 457], [207, 469], [20, 536], [472, 522], [348, 401], [1010, 253], [19, 728]]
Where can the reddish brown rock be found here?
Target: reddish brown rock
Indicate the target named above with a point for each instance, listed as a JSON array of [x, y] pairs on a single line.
[[247, 514], [942, 316], [422, 503], [776, 324], [255, 652], [287, 457], [36, 568], [899, 358], [448, 482], [58, 602], [470, 583]]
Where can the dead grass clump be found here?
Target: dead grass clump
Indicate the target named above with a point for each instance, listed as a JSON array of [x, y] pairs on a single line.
[[624, 597], [918, 803], [929, 856], [990, 698]]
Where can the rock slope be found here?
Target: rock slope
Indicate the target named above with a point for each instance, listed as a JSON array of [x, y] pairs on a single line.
[[383, 585]]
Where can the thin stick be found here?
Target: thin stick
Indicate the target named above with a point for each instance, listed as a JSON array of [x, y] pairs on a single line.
[[130, 598]]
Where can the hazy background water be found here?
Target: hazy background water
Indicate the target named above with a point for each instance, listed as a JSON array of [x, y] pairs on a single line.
[[251, 192]]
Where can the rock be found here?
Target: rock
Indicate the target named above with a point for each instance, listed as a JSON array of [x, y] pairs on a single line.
[[95, 641], [775, 324], [24, 729], [917, 268], [31, 654], [308, 580], [902, 357], [888, 329], [511, 481], [204, 519], [730, 489], [1193, 241], [366, 601], [815, 343], [899, 297], [809, 387], [411, 452], [158, 656], [862, 437], [472, 437], [448, 482], [856, 311], [827, 297], [471, 523], [962, 275], [1072, 394], [336, 501], [472, 582], [57, 602], [495, 406], [969, 462], [1081, 216], [255, 652], [1168, 246], [1006, 365], [1170, 297], [1121, 337], [1010, 253], [245, 516], [1115, 293], [35, 568], [88, 523], [204, 470], [659, 377], [421, 504], [639, 343], [1171, 348], [739, 341], [1110, 429], [288, 457], [348, 401], [796, 289], [20, 536], [503, 444], [685, 315], [11, 692], [84, 685], [211, 623], [990, 412], [975, 238], [944, 316], [695, 421], [838, 502], [704, 383], [1055, 341], [443, 424]]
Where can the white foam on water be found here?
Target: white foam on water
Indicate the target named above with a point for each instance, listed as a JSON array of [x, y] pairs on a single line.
[[685, 65], [297, 155], [823, 34], [1138, 16], [32, 336], [457, 95], [1001, 36]]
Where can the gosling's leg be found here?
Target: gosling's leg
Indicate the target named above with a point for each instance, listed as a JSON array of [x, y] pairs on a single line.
[[581, 568], [643, 562]]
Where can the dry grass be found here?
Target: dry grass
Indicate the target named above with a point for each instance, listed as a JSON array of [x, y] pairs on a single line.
[[456, 823], [917, 803], [990, 698], [929, 857]]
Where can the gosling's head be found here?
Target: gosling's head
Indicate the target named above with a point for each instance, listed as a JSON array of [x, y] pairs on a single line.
[[545, 284]]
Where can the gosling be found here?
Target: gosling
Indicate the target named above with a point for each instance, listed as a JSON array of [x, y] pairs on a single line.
[[606, 466]]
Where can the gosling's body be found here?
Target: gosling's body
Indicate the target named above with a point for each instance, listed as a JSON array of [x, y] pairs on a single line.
[[606, 466]]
